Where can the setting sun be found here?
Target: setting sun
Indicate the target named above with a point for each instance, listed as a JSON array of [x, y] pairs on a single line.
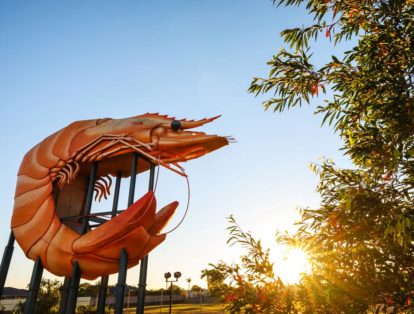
[[291, 264]]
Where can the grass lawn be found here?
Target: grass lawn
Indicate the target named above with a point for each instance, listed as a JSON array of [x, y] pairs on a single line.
[[182, 308]]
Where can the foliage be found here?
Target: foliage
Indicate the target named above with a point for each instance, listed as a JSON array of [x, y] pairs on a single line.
[[88, 290], [251, 286], [90, 309], [175, 290], [348, 239], [196, 288], [361, 238], [48, 297], [178, 290], [18, 308]]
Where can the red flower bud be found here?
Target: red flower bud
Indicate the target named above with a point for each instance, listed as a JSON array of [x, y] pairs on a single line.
[[315, 89], [229, 297]]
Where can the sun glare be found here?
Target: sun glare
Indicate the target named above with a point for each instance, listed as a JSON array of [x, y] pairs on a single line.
[[293, 263]]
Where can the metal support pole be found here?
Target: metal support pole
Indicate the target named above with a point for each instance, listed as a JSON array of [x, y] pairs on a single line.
[[89, 198], [64, 293], [142, 285], [73, 289], [103, 288], [171, 286], [5, 262], [120, 286], [151, 178], [64, 289], [34, 287], [134, 164], [144, 262], [123, 261], [76, 273], [162, 297], [104, 279]]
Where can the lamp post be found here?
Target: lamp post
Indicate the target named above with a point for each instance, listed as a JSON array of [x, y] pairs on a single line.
[[189, 284], [167, 277]]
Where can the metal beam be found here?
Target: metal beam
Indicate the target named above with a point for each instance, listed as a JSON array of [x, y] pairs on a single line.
[[123, 261], [104, 279], [5, 262], [120, 286], [144, 262], [34, 287], [76, 273], [134, 165], [89, 198], [73, 289], [64, 294]]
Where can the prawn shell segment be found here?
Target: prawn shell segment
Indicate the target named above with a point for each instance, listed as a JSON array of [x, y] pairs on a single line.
[[26, 205], [41, 222]]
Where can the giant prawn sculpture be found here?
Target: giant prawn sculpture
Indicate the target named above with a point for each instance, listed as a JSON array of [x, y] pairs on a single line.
[[63, 161]]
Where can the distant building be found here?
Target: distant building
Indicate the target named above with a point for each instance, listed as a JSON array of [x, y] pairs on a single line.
[[14, 293], [194, 294], [12, 299]]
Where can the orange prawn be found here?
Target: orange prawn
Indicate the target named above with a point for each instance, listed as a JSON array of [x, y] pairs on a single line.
[[62, 163]]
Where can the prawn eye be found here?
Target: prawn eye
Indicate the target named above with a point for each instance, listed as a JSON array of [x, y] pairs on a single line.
[[175, 125]]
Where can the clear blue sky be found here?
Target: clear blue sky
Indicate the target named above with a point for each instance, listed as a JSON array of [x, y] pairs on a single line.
[[73, 60]]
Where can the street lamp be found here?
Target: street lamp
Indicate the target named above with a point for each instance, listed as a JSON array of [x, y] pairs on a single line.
[[167, 277], [189, 284]]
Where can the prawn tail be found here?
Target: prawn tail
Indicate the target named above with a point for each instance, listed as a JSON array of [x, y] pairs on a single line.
[[135, 230]]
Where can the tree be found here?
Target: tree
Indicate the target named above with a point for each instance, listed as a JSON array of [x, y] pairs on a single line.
[[88, 290], [196, 288], [48, 297], [177, 290], [250, 286], [215, 281], [361, 238], [17, 309]]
